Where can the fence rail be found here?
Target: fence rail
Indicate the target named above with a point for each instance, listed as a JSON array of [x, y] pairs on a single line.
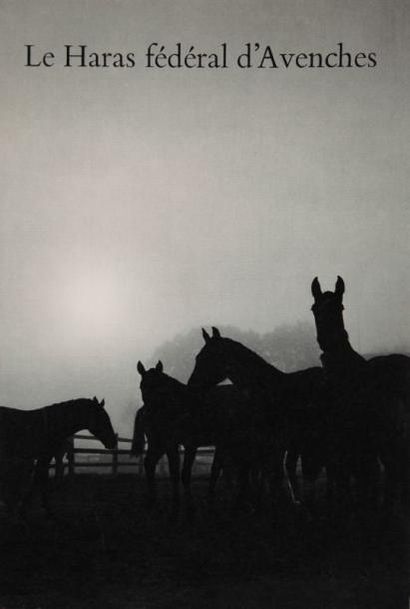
[[110, 460]]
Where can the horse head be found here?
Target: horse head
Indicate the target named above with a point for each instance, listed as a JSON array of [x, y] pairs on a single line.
[[211, 363], [155, 385], [99, 424], [328, 313]]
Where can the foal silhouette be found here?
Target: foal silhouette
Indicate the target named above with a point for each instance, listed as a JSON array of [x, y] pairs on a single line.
[[175, 414]]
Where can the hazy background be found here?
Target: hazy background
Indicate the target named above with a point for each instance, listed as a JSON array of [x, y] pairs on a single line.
[[137, 205]]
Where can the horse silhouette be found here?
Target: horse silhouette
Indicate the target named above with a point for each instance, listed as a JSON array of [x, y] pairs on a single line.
[[174, 414], [285, 407], [368, 403], [29, 439]]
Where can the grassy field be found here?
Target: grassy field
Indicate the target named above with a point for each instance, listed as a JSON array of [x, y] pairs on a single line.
[[104, 550]]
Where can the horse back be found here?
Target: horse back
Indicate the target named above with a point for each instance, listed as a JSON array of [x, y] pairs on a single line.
[[389, 374], [19, 431], [302, 388]]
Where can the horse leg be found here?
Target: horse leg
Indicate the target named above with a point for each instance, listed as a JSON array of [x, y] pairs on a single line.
[[368, 477], [291, 460], [342, 496], [59, 469], [405, 474], [189, 458], [276, 478], [402, 458], [242, 494], [216, 468], [14, 475], [173, 464], [391, 458], [42, 474], [259, 476], [229, 470], [310, 474], [330, 488], [313, 459], [39, 483], [150, 462]]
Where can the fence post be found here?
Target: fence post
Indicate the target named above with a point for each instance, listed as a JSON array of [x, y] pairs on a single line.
[[71, 459]]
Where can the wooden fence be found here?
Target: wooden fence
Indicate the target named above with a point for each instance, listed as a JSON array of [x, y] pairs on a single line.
[[100, 458]]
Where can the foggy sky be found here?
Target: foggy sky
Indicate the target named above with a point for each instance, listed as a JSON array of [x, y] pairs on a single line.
[[136, 204]]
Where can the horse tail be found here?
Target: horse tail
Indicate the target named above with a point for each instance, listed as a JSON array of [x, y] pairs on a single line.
[[138, 438]]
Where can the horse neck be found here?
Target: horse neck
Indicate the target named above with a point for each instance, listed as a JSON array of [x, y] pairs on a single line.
[[66, 419], [251, 369], [175, 393], [181, 393], [177, 387], [341, 361], [333, 340]]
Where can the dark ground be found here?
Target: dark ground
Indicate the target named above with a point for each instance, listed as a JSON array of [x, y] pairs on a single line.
[[105, 550]]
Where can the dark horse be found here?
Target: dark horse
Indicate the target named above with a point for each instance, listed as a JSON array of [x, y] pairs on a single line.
[[368, 403], [29, 439], [285, 407], [174, 414]]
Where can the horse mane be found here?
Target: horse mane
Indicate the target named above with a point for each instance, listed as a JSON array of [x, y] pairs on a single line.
[[254, 359], [69, 403], [175, 383]]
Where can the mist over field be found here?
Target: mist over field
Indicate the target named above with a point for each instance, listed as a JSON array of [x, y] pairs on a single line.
[[138, 206]]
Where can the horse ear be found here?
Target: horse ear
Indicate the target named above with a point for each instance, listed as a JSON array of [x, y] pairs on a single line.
[[102, 403], [140, 368], [206, 336], [340, 287], [159, 367], [95, 399], [215, 332], [316, 289]]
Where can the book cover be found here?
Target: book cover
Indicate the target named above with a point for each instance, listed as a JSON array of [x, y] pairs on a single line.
[[167, 166]]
